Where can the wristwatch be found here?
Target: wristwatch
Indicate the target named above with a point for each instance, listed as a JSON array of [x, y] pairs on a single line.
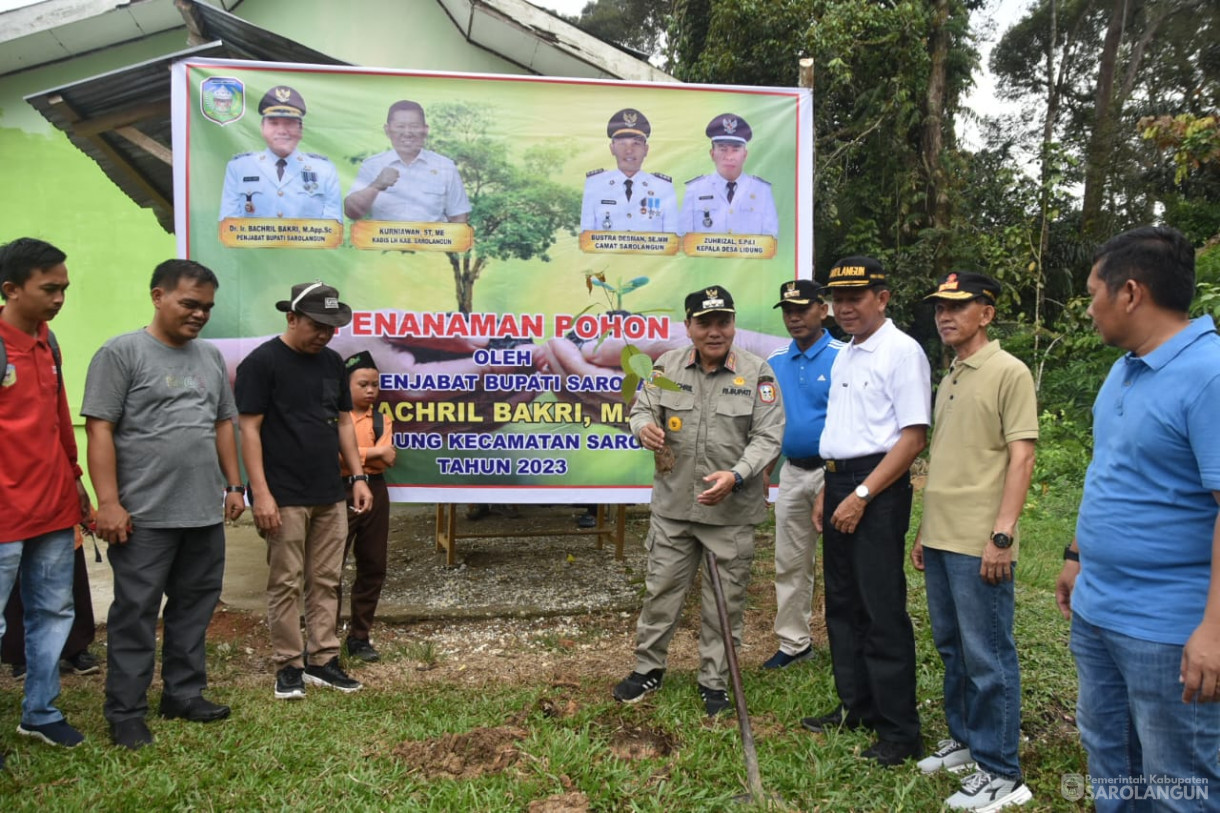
[[1001, 540], [358, 477], [1070, 555], [863, 493], [737, 482], [235, 489]]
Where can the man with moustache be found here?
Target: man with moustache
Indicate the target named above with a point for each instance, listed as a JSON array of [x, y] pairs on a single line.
[[627, 198], [408, 182], [876, 424], [713, 438], [40, 486], [728, 201], [281, 181], [803, 371], [982, 458], [163, 461], [295, 416]]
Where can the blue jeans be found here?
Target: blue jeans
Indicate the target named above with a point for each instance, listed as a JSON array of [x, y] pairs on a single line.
[[1135, 726], [45, 564], [972, 628]]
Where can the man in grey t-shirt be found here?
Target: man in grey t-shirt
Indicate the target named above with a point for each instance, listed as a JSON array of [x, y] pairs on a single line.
[[159, 419]]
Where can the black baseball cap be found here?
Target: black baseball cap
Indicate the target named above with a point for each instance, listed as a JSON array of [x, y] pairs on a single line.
[[709, 300], [856, 272], [962, 285], [799, 292], [319, 302]]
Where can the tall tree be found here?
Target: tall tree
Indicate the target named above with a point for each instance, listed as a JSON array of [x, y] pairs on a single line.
[[638, 25]]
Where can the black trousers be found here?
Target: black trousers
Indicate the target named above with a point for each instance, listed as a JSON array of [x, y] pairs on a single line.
[[12, 646], [872, 642], [187, 566], [368, 535]]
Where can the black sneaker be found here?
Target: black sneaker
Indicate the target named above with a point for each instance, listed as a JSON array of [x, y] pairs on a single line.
[[131, 734], [362, 650], [56, 733], [714, 700], [82, 663], [331, 676], [19, 671], [890, 752], [832, 721], [636, 685], [289, 684]]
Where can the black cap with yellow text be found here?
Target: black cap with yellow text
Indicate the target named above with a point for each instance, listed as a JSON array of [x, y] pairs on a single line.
[[856, 272], [962, 285], [709, 300]]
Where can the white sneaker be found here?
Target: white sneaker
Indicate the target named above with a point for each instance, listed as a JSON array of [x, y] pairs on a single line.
[[986, 793], [950, 755]]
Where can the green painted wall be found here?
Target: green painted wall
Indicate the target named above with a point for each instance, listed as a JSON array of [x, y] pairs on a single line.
[[53, 191]]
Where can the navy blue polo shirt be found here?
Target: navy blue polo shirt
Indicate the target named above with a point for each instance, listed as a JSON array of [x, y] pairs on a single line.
[[804, 381]]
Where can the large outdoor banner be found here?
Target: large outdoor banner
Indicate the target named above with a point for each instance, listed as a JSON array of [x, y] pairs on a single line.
[[500, 239]]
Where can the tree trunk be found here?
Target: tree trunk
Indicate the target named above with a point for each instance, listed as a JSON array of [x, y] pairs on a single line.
[[933, 130], [1101, 141]]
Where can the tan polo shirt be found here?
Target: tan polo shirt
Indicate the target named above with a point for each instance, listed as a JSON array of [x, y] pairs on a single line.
[[983, 404]]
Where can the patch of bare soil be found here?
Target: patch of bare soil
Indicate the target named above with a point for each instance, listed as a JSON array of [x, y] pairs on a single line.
[[635, 742], [574, 802], [463, 756]]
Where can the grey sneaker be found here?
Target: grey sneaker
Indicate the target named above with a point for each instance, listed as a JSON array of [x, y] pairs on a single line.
[[330, 675], [950, 755], [633, 688], [987, 793]]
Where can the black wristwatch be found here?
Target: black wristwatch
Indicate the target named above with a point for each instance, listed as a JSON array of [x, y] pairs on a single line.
[[235, 489], [737, 482], [1000, 540], [358, 477], [1070, 555]]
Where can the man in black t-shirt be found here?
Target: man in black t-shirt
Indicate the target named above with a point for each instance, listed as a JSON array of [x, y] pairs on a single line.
[[295, 421]]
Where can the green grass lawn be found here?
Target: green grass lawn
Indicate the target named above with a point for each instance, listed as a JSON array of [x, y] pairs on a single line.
[[385, 748]]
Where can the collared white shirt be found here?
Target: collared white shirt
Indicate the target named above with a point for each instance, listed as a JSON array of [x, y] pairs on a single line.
[[706, 206], [653, 205], [309, 187], [428, 190], [878, 388]]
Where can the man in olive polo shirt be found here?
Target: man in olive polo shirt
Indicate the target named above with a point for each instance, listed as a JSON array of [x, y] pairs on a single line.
[[713, 438], [982, 457]]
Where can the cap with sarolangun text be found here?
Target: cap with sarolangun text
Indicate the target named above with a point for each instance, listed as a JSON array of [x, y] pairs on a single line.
[[282, 102], [709, 300], [729, 127], [856, 272], [799, 292], [961, 285], [628, 122], [319, 302]]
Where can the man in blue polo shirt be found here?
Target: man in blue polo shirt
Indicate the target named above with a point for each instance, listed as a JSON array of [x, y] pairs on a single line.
[[1138, 583], [803, 371]]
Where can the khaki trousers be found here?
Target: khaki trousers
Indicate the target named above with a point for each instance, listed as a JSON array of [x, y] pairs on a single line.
[[305, 557], [796, 544], [675, 551]]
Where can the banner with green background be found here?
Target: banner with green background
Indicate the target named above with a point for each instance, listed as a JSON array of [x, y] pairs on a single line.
[[498, 339]]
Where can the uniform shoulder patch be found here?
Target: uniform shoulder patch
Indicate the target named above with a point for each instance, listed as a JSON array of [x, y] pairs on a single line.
[[242, 155], [593, 172], [696, 178], [665, 178], [319, 156], [761, 180], [763, 379]]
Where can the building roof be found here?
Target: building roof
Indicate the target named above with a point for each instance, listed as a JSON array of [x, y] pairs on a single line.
[[121, 119]]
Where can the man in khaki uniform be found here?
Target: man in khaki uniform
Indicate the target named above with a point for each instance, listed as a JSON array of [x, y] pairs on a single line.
[[713, 438]]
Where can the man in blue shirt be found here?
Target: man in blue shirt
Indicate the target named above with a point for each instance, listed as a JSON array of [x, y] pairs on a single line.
[[803, 371], [1137, 583]]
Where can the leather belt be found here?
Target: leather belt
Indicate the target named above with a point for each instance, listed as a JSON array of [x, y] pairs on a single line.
[[854, 464], [807, 463]]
